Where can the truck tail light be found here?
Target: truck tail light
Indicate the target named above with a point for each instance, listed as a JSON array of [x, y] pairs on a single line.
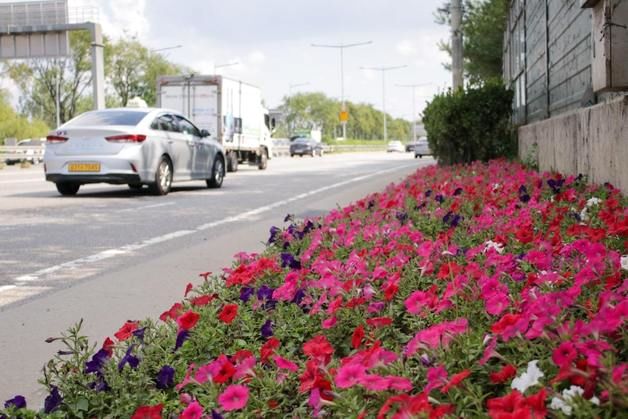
[[126, 138]]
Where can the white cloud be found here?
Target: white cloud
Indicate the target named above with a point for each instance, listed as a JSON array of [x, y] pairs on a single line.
[[257, 57], [406, 48]]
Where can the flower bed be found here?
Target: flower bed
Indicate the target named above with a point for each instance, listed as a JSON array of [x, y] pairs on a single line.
[[467, 291]]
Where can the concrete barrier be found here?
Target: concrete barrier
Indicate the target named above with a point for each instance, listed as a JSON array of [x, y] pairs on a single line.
[[591, 141]]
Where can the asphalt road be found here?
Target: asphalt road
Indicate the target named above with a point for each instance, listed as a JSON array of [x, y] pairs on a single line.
[[111, 254]]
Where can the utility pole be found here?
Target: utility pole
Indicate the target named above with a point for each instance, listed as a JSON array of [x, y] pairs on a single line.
[[342, 47], [414, 115], [383, 70], [456, 44]]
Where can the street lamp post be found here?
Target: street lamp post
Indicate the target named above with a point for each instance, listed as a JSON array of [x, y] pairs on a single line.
[[342, 47], [414, 116], [383, 70], [216, 66], [166, 48]]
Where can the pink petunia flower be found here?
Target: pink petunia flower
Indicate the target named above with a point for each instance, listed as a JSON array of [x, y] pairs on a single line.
[[235, 397], [193, 411], [285, 364], [349, 375]]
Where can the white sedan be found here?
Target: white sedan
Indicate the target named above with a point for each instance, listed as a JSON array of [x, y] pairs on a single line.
[[137, 147], [395, 146]]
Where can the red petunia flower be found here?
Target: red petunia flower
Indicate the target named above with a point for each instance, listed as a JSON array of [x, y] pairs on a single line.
[[318, 348], [107, 345], [503, 375], [148, 412], [188, 320], [172, 313], [268, 349], [379, 321], [356, 338], [455, 380], [126, 330], [228, 313], [202, 300], [188, 288]]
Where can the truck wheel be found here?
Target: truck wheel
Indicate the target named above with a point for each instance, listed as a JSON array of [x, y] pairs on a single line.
[[263, 160], [232, 162], [163, 178], [68, 188], [218, 174]]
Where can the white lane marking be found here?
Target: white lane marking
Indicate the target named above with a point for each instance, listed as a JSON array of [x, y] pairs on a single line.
[[124, 250], [146, 207], [11, 293]]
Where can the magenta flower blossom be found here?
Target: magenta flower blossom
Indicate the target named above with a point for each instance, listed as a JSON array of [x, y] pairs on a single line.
[[193, 411], [235, 397], [349, 375]]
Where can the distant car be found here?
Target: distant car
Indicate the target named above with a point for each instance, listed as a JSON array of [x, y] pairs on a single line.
[[33, 152], [305, 146], [395, 146], [137, 147], [422, 148], [411, 145]]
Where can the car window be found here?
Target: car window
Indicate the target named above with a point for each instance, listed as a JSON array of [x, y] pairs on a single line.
[[302, 140], [187, 127], [125, 118], [165, 122]]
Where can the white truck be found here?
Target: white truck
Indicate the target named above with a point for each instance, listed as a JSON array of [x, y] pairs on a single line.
[[230, 110]]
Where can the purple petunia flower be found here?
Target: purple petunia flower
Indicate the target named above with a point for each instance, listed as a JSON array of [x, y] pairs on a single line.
[[274, 234], [267, 329], [100, 385], [264, 292], [458, 191], [288, 260], [128, 358], [181, 338], [165, 377], [555, 185], [439, 198], [246, 293], [53, 401], [428, 193], [402, 217], [96, 364], [139, 333], [298, 296], [216, 415], [18, 402]]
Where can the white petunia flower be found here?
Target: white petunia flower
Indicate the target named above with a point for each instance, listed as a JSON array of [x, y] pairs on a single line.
[[593, 201], [565, 400], [529, 378], [494, 245], [624, 262], [584, 216]]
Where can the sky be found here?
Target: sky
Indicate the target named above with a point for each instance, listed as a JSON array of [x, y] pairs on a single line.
[[271, 42]]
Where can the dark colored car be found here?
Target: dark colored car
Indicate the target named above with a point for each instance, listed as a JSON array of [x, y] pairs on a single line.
[[305, 146]]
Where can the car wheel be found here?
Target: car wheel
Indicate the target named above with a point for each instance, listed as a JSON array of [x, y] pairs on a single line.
[[163, 178], [263, 160], [135, 186], [232, 162], [68, 188], [218, 174], [420, 156], [291, 154]]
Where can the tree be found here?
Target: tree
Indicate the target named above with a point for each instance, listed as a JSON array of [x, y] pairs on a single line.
[[41, 80], [483, 26], [13, 125]]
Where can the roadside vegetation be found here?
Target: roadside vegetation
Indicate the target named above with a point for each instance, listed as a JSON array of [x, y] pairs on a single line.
[[13, 125], [467, 290]]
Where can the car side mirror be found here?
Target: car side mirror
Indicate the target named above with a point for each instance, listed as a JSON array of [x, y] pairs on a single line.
[[273, 123], [205, 133]]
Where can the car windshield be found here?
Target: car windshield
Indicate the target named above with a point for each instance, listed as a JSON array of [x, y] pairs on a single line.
[[302, 140], [125, 118]]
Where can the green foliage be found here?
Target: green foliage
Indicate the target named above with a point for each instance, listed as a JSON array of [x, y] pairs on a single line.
[[471, 124], [13, 125], [305, 111], [483, 26]]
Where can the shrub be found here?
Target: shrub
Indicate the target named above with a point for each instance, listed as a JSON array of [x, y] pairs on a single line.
[[472, 124]]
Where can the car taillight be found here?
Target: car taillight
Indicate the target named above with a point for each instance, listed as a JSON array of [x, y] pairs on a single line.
[[56, 139], [126, 138]]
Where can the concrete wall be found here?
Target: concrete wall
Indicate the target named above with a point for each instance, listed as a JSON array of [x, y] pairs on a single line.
[[591, 141]]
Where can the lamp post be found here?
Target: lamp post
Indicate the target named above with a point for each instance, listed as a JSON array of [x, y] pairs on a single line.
[[383, 70], [414, 118], [166, 48], [342, 48], [216, 66]]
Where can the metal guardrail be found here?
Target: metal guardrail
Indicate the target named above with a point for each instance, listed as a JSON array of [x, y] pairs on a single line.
[[280, 149], [32, 154]]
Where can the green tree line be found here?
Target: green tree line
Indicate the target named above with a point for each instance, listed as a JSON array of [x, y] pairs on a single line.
[[131, 70], [306, 111], [13, 125]]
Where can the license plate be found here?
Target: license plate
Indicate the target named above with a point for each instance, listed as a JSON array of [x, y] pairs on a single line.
[[83, 167]]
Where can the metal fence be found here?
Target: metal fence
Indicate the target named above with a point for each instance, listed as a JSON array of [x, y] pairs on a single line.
[[547, 57]]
